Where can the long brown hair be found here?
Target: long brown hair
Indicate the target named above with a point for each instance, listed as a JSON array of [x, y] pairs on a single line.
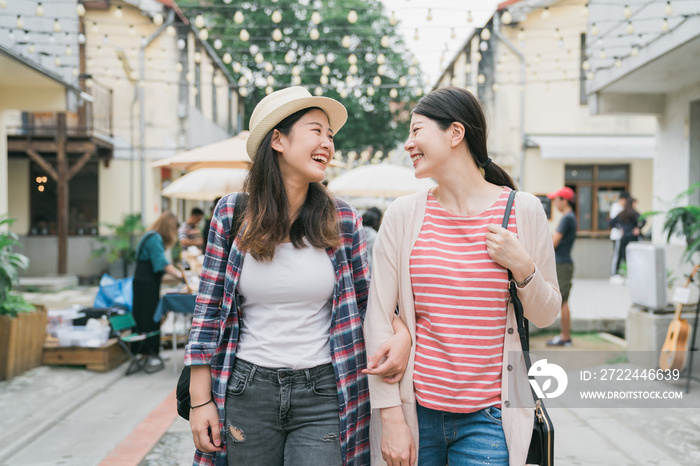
[[453, 104], [166, 227], [267, 212]]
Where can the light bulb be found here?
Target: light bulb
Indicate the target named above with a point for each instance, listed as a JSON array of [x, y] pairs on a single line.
[[316, 17], [269, 90], [218, 44], [594, 30], [664, 25], [118, 13], [506, 17], [69, 51], [370, 91], [289, 57], [343, 95], [199, 21], [19, 23], [170, 30], [627, 12], [244, 36], [392, 18], [481, 79], [276, 16], [181, 44], [80, 10], [296, 80], [198, 57], [227, 58], [618, 63], [483, 46], [324, 79], [203, 34], [158, 19], [314, 34], [430, 15], [318, 91], [585, 11], [238, 17], [377, 81], [352, 69], [381, 59], [346, 42], [352, 59], [545, 12], [385, 41], [320, 59], [132, 30], [603, 54], [668, 11], [243, 92], [236, 67], [415, 35], [521, 34], [268, 67], [56, 26], [635, 51], [325, 70], [586, 65], [277, 35], [270, 80], [485, 34], [470, 18], [381, 70], [393, 94], [259, 58], [39, 11], [352, 17], [296, 70], [630, 28]]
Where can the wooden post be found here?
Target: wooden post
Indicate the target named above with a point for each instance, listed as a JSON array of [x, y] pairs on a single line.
[[63, 199]]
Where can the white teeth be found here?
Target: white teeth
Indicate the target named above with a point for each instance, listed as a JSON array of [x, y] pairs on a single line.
[[416, 157], [319, 158]]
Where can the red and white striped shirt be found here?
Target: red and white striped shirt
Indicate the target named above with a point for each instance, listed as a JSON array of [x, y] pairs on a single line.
[[461, 299]]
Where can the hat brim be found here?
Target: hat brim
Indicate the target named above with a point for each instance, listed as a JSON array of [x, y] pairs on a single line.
[[334, 110]]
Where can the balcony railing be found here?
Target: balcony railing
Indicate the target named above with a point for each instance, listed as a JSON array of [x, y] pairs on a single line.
[[93, 119]]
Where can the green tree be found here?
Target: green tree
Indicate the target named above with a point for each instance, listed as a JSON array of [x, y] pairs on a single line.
[[378, 120]]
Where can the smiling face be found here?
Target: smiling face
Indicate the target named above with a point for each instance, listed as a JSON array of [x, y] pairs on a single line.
[[306, 151], [428, 145]]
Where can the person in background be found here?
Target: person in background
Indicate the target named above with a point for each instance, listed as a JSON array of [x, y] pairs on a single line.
[[444, 257], [276, 346], [189, 233], [563, 239], [628, 221], [616, 234], [207, 224], [370, 224], [151, 264]]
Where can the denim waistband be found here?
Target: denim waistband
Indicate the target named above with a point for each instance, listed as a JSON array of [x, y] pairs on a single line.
[[283, 375]]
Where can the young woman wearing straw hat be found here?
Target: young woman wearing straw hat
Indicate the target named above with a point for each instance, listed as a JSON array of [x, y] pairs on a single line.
[[276, 346], [444, 257]]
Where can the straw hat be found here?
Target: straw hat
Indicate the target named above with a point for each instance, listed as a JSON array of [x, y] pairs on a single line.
[[280, 104]]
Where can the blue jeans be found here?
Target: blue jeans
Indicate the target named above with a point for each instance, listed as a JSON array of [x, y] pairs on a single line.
[[282, 416], [461, 439]]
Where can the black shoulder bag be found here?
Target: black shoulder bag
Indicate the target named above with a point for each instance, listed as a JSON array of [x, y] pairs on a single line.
[[182, 392], [542, 444]]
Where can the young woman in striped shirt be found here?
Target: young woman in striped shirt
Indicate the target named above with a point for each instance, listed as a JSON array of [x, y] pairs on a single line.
[[444, 257]]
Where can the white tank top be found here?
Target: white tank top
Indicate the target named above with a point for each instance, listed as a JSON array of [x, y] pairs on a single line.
[[286, 308]]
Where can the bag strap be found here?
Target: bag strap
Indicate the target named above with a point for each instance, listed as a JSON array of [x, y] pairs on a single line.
[[523, 327]]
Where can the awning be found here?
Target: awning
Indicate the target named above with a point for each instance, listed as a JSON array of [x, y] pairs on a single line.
[[594, 147]]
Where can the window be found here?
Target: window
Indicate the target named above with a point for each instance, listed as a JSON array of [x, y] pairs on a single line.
[[597, 187], [82, 203]]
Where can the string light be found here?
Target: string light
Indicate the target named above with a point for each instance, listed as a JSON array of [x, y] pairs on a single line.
[[95, 27], [318, 91], [392, 18], [470, 18], [244, 36], [370, 91], [238, 17], [415, 35], [603, 55], [236, 67], [430, 15], [506, 18], [627, 12], [346, 42], [56, 26], [630, 28], [664, 25], [218, 44], [485, 34], [118, 13], [158, 19], [276, 16], [352, 59], [314, 34], [585, 12], [545, 12], [132, 30], [594, 30], [635, 51], [277, 35], [385, 41], [170, 30], [668, 11], [39, 11], [316, 17], [618, 63], [19, 24], [352, 17], [203, 34], [199, 21]]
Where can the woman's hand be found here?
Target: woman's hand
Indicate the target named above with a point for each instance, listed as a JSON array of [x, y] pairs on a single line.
[[392, 356], [204, 422], [505, 249], [398, 447]]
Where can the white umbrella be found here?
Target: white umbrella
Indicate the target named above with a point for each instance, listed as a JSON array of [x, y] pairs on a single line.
[[381, 180], [229, 153], [206, 184]]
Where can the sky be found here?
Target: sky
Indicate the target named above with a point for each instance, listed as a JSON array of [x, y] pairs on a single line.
[[435, 36]]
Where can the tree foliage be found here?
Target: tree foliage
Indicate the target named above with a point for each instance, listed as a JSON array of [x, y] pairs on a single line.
[[378, 121]]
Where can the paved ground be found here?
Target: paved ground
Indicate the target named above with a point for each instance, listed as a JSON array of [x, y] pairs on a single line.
[[70, 416]]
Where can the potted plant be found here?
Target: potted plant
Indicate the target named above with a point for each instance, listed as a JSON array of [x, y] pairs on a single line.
[[120, 248], [684, 221], [22, 326]]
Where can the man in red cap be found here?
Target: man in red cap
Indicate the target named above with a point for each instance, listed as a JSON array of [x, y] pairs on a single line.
[[563, 238]]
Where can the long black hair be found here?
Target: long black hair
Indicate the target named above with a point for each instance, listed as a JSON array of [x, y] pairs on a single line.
[[447, 105], [267, 212]]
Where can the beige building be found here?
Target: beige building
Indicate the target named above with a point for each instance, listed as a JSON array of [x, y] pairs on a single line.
[[531, 76], [154, 89]]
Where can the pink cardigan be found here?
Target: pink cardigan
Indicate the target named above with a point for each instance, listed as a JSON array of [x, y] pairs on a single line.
[[391, 284]]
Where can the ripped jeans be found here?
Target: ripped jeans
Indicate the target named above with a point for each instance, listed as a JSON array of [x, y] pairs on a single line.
[[282, 417]]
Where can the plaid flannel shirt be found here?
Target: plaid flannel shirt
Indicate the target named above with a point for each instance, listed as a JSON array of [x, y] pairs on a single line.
[[215, 330]]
